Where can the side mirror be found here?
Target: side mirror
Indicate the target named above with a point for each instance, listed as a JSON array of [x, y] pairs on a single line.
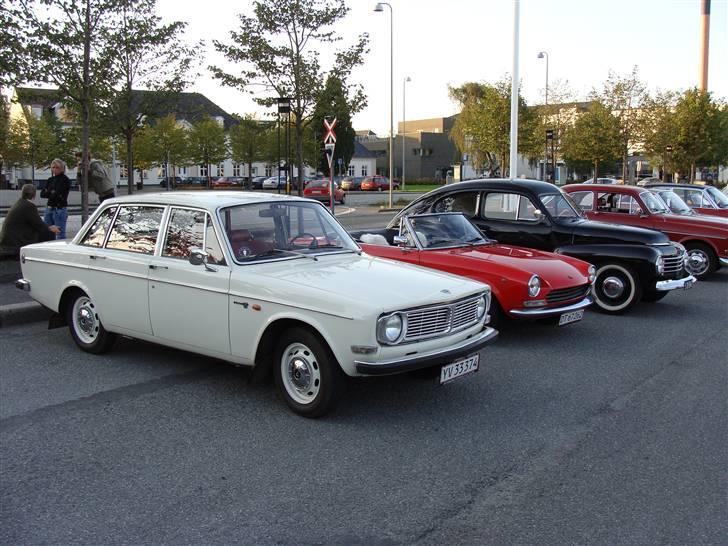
[[539, 215], [400, 240], [197, 256]]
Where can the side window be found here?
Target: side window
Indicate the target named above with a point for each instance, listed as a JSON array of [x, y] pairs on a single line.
[[136, 229], [97, 233], [624, 204], [212, 245], [526, 209], [585, 200], [186, 230], [501, 206], [694, 198], [465, 202]]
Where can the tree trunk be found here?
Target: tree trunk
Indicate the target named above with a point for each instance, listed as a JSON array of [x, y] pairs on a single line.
[[596, 170], [130, 165], [299, 154], [86, 112]]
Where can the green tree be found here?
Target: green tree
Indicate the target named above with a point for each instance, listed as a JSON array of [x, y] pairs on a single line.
[[700, 138], [660, 130], [594, 137], [207, 144], [166, 143], [248, 141], [333, 103], [14, 68], [63, 34], [279, 46], [146, 55], [482, 129]]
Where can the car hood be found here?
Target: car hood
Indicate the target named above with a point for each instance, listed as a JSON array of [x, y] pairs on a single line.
[[696, 221], [596, 232], [340, 283], [518, 263]]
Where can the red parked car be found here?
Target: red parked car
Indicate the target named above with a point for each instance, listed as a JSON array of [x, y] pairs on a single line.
[[704, 237], [377, 183], [525, 283], [702, 199], [319, 190]]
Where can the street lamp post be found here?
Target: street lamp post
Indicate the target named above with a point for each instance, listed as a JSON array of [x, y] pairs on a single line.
[[404, 124], [380, 7], [544, 55]]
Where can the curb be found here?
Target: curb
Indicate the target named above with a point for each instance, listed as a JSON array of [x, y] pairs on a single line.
[[21, 313]]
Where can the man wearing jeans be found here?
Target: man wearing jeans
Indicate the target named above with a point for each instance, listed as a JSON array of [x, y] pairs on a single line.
[[56, 191]]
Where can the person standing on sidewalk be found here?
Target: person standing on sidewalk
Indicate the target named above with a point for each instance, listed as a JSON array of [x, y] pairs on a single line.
[[98, 178], [23, 226], [56, 191]]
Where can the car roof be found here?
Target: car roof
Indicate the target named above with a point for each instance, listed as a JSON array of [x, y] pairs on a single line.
[[604, 189], [204, 199], [535, 186], [673, 185]]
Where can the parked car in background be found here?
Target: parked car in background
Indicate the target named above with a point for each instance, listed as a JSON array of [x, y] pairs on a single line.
[[703, 199], [525, 283], [674, 202], [257, 182], [633, 264], [377, 183], [319, 190], [259, 280], [174, 181], [229, 182], [272, 183], [649, 180], [704, 237], [603, 181], [351, 183]]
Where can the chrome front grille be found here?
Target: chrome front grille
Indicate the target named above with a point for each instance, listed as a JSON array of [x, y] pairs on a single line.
[[674, 264], [566, 294], [442, 319]]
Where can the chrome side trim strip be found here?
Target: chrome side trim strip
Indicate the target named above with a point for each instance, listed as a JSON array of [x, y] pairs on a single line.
[[550, 311]]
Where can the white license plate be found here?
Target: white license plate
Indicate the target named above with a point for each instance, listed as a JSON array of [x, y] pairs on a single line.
[[460, 368], [688, 285], [568, 318]]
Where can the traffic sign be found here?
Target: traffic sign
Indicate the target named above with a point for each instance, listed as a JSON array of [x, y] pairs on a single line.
[[330, 134]]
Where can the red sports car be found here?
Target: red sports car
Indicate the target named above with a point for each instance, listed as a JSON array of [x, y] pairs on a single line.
[[319, 190], [525, 283]]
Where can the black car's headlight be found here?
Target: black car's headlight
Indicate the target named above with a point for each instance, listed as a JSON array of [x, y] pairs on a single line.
[[390, 329], [592, 274]]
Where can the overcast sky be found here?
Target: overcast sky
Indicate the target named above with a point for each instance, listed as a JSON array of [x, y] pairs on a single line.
[[446, 43]]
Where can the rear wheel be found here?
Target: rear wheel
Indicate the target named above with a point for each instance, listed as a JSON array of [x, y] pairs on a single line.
[[306, 372], [85, 325], [701, 260], [616, 288]]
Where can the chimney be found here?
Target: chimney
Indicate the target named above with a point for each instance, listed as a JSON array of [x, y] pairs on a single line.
[[704, 44]]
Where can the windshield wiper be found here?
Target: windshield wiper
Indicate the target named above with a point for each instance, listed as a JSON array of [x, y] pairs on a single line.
[[285, 251]]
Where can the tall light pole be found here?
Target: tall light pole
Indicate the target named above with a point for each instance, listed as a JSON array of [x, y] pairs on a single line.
[[404, 123], [514, 91], [544, 55], [380, 7]]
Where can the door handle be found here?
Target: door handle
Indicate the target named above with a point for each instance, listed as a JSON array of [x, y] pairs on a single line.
[[153, 266]]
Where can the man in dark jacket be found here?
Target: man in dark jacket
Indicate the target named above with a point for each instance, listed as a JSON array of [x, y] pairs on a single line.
[[23, 226]]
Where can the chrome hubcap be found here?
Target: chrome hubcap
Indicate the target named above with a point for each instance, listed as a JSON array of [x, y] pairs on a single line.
[[301, 373], [613, 287], [86, 321], [697, 262]]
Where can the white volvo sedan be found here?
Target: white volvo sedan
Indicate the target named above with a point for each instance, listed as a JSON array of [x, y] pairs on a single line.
[[258, 280]]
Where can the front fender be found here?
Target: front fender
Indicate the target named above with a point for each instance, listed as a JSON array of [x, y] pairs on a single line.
[[641, 257]]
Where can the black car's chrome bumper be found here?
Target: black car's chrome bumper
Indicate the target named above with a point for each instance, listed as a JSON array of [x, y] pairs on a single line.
[[674, 284], [551, 311], [434, 358]]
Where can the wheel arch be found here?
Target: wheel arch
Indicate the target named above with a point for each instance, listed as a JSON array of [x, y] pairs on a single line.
[[266, 346]]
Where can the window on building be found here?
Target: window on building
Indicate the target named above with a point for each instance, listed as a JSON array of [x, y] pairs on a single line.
[[203, 170], [364, 170], [254, 171], [352, 170], [123, 173], [269, 170], [221, 169], [416, 151], [236, 169], [182, 170]]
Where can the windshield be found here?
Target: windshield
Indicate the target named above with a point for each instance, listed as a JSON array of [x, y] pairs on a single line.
[[675, 202], [560, 205], [443, 230], [719, 197], [257, 231], [654, 203]]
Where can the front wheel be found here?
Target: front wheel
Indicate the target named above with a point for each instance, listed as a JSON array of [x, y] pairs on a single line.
[[701, 260], [616, 288], [306, 372], [85, 325]]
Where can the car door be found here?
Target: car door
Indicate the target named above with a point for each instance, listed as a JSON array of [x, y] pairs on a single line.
[[622, 208], [119, 265], [188, 304], [512, 218]]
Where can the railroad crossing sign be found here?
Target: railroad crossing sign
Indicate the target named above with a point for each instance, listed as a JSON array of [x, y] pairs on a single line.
[[330, 136]]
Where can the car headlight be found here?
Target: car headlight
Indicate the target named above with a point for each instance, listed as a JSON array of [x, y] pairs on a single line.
[[592, 274], [390, 329], [482, 307], [660, 265], [534, 286]]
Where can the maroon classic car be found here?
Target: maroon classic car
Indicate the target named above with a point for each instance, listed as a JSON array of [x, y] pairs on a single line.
[[704, 237], [702, 199], [525, 283]]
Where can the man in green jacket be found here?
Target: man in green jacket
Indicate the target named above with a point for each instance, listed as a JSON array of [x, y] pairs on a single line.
[[98, 178]]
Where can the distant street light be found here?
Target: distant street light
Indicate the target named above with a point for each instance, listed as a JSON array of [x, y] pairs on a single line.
[[544, 55], [404, 124], [380, 7]]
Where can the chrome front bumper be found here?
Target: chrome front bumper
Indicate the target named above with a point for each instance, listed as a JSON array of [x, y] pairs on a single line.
[[434, 358], [723, 261], [551, 311], [664, 286], [23, 285]]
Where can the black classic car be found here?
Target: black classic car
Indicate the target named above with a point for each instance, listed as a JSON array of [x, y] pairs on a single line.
[[633, 264]]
